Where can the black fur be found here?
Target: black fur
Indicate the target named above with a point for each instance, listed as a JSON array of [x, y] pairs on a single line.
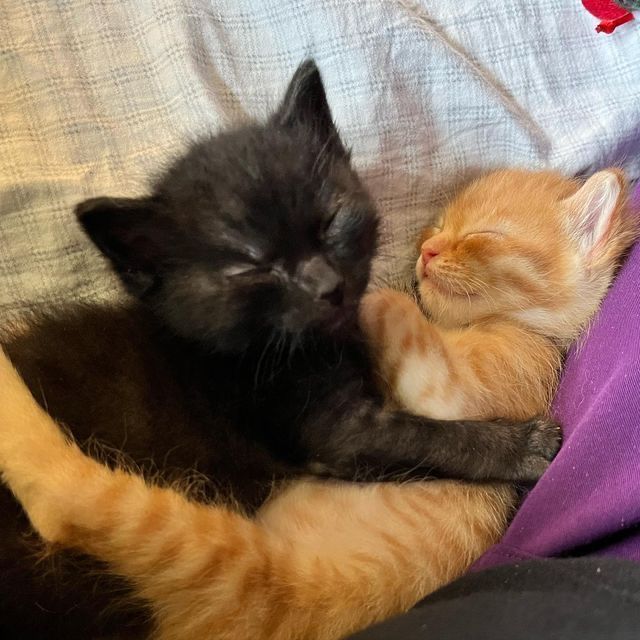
[[243, 360]]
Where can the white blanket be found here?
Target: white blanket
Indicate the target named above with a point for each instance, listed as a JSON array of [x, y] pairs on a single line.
[[94, 96]]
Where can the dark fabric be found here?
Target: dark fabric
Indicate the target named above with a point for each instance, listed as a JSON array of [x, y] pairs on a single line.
[[563, 599]]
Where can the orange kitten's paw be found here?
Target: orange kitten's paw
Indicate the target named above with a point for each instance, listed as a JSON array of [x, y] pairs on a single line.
[[384, 308], [544, 438]]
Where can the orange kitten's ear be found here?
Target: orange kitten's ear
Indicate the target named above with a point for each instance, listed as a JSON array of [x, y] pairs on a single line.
[[592, 210]]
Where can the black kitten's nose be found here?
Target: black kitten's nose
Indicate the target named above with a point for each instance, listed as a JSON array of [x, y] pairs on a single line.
[[321, 280], [335, 296]]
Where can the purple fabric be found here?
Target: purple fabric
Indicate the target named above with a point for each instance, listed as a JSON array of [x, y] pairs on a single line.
[[588, 502]]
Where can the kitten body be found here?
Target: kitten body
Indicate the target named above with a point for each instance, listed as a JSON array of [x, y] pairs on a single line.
[[321, 559], [241, 357]]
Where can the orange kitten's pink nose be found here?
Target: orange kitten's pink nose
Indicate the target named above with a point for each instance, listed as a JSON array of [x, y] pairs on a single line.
[[427, 253]]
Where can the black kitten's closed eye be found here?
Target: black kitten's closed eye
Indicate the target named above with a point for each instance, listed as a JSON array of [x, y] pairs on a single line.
[[239, 270], [329, 219]]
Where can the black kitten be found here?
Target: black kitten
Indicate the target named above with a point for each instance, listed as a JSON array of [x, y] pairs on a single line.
[[244, 359]]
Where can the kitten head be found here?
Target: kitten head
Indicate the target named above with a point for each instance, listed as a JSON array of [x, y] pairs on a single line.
[[533, 247], [261, 230]]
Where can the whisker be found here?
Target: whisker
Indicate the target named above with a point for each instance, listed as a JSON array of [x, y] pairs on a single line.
[[267, 345]]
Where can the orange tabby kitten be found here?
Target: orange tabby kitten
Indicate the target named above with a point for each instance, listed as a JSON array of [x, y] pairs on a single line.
[[518, 265], [508, 279]]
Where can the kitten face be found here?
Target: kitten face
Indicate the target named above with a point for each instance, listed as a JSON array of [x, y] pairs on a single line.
[[257, 231], [531, 246]]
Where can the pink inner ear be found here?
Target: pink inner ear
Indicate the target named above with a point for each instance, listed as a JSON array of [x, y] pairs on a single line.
[[593, 208]]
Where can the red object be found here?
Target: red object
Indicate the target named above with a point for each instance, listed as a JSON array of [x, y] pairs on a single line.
[[609, 13]]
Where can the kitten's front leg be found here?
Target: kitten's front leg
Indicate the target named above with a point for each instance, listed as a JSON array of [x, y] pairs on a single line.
[[412, 357], [384, 316], [360, 439]]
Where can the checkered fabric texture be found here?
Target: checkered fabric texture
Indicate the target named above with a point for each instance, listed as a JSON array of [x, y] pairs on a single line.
[[96, 95]]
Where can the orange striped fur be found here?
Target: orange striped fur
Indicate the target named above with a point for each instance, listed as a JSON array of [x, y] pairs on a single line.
[[322, 559]]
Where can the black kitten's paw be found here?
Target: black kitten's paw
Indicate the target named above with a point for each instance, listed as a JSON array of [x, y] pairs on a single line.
[[543, 440]]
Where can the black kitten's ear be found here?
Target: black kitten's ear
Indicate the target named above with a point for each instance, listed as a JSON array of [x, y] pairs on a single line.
[[131, 234], [305, 102]]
